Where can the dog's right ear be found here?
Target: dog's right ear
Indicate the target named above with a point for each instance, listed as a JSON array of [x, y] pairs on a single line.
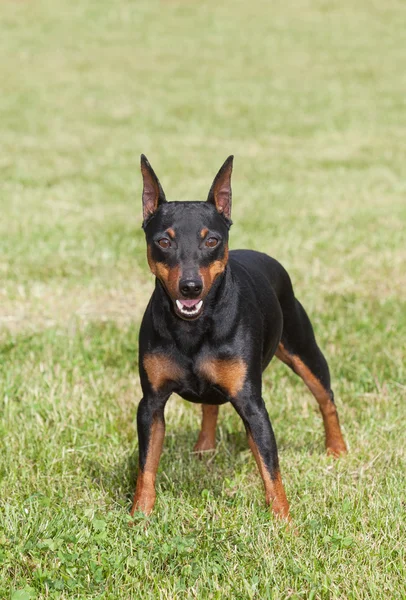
[[152, 194]]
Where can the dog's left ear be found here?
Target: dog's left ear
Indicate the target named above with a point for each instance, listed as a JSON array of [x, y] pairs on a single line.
[[220, 191], [152, 194]]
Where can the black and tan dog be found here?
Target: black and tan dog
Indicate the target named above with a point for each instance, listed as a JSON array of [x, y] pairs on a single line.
[[213, 323]]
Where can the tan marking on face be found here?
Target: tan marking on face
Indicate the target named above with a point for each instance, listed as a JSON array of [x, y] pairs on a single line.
[[171, 233], [144, 498], [162, 271], [335, 443], [210, 273], [160, 369], [151, 262], [274, 490], [169, 276], [227, 373], [207, 435], [204, 232]]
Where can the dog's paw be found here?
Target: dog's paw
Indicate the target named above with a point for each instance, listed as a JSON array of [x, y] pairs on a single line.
[[337, 449], [203, 445]]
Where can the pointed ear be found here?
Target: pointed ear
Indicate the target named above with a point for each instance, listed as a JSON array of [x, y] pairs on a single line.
[[220, 191], [152, 193]]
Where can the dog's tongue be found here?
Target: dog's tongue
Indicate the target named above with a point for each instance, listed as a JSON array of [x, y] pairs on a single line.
[[189, 303]]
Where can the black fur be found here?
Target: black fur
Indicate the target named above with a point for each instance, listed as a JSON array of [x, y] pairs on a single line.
[[247, 312]]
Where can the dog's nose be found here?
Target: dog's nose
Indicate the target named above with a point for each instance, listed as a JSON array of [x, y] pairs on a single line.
[[190, 288]]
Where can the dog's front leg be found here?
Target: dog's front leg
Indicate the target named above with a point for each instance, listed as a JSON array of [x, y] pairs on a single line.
[[262, 442], [151, 433]]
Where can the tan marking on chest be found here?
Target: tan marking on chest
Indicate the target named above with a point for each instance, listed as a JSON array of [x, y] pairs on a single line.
[[227, 373], [160, 369]]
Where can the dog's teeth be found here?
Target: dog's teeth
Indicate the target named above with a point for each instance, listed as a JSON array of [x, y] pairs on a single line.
[[190, 312]]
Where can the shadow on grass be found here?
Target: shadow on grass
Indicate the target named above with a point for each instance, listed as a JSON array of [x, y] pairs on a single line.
[[180, 467]]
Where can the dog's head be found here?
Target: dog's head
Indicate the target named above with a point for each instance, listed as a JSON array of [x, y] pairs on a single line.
[[187, 241]]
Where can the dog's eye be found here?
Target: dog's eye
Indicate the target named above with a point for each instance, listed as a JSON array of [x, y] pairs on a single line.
[[164, 243], [211, 242]]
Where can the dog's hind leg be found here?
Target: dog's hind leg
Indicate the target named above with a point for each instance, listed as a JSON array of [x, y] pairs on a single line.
[[299, 350], [207, 435]]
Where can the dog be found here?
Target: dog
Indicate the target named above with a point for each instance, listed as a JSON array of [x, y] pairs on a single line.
[[213, 323]]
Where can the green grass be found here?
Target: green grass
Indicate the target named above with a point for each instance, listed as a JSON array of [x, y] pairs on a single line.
[[310, 97]]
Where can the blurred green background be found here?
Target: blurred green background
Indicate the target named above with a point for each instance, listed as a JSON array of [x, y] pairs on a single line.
[[310, 98]]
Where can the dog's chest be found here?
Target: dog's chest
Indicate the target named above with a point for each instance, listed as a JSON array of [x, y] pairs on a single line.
[[211, 377]]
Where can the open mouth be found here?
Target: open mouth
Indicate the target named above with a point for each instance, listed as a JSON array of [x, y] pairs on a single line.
[[189, 309]]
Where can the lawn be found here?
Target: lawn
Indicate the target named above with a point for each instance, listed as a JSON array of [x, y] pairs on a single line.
[[310, 98]]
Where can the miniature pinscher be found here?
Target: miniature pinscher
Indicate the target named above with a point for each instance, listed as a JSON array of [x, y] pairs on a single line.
[[214, 321]]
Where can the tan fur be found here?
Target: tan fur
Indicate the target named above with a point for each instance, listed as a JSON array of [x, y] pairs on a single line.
[[145, 494], [210, 273], [274, 490], [227, 373], [168, 276], [161, 369], [207, 435], [335, 443]]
